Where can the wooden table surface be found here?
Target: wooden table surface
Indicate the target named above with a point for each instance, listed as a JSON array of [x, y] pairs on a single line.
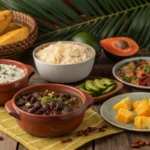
[[120, 141]]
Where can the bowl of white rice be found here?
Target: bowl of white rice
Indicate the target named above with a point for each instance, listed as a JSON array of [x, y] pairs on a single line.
[[64, 61], [14, 76]]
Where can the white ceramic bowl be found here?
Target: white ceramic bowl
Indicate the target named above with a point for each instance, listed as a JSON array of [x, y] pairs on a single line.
[[67, 73]]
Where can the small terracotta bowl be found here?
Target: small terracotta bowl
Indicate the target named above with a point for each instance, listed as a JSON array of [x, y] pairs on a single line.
[[7, 90], [46, 125]]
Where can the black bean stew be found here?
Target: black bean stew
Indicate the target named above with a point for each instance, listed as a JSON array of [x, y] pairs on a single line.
[[49, 102]]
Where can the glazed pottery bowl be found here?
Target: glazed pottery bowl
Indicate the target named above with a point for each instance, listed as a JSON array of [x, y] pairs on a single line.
[[49, 125], [64, 73], [7, 90]]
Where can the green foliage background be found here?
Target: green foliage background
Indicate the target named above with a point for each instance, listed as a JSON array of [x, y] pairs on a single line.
[[104, 18]]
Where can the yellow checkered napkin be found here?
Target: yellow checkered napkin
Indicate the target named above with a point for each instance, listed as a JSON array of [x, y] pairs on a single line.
[[9, 126]]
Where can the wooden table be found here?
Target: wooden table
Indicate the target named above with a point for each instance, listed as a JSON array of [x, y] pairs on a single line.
[[120, 141]]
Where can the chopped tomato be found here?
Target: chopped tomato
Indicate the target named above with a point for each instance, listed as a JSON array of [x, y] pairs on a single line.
[[142, 63], [140, 73], [142, 83], [131, 64], [130, 73]]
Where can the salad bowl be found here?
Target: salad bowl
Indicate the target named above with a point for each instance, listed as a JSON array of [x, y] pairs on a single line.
[[135, 72]]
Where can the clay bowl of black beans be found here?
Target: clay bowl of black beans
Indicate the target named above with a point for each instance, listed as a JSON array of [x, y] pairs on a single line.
[[49, 110]]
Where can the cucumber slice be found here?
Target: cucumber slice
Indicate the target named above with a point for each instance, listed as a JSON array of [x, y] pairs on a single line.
[[109, 89], [82, 88], [98, 84], [107, 82], [90, 86]]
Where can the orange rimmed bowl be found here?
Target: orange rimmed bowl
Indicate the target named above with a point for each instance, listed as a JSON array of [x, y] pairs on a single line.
[[46, 125], [7, 90]]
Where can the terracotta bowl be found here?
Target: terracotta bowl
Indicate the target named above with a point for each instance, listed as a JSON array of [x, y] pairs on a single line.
[[7, 90], [46, 125]]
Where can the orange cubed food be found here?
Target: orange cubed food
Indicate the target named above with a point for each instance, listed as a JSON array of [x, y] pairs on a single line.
[[135, 104], [124, 116], [142, 122], [126, 103], [143, 108]]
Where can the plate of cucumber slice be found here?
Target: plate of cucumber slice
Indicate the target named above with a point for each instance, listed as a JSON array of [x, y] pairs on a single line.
[[100, 88]]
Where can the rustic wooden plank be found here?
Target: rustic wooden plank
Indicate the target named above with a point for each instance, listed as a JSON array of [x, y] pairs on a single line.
[[8, 143], [139, 90], [139, 135], [21, 147], [88, 146], [113, 142]]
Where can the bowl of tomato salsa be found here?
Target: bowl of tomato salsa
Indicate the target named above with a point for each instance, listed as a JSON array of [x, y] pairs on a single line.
[[134, 72]]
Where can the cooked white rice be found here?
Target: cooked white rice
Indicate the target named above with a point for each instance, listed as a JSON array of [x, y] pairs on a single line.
[[64, 53], [10, 73]]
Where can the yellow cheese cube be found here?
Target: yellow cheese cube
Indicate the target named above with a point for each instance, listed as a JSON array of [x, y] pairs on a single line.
[[125, 103], [143, 108], [124, 116], [142, 122]]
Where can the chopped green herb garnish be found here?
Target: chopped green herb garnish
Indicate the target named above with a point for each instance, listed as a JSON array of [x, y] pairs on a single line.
[[129, 78], [46, 99], [129, 68], [66, 103]]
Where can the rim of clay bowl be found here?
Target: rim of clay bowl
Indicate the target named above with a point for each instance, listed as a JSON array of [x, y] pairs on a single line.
[[80, 110]]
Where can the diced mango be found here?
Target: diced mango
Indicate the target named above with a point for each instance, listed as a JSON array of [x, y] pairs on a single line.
[[143, 108], [125, 103], [124, 116], [135, 104], [142, 122]]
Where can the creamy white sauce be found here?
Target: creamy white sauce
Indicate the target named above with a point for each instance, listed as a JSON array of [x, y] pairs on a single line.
[[10, 73]]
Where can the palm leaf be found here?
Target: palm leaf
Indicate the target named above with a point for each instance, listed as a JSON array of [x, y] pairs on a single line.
[[59, 20], [2, 7]]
